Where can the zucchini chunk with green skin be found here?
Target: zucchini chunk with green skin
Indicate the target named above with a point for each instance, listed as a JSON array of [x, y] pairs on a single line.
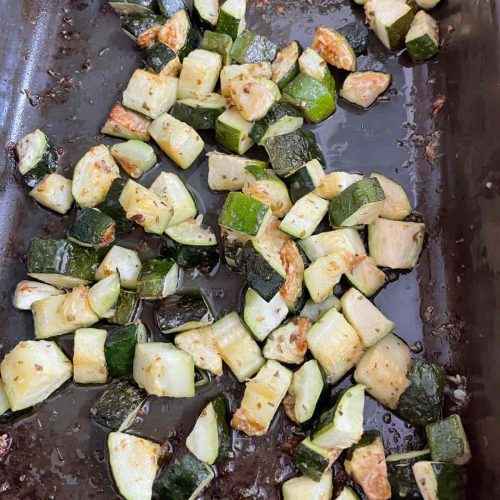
[[397, 205], [363, 87], [199, 112], [119, 348], [133, 7], [252, 99], [323, 275], [311, 97], [437, 480], [237, 347], [356, 33], [255, 70], [134, 463], [126, 309], [203, 441], [335, 345], [150, 94], [266, 186], [185, 478], [422, 401], [427, 4], [288, 152], [124, 261], [365, 463], [178, 141], [217, 42], [60, 263], [305, 488], [314, 312], [288, 343], [312, 64], [250, 47], [179, 34], [62, 314], [89, 362], [170, 188], [28, 292], [395, 244], [199, 73], [163, 370], [364, 274], [403, 484], [304, 217], [286, 67], [32, 371], [145, 208], [305, 180], [143, 29], [364, 316], [292, 290], [161, 59], [92, 228], [334, 48], [200, 343], [232, 18], [169, 7], [93, 176], [313, 460], [206, 12], [389, 20], [36, 157], [340, 241], [223, 430], [348, 493], [126, 124], [119, 404], [447, 441], [306, 387], [334, 183], [341, 426], [104, 295], [357, 205], [263, 317], [181, 312], [4, 401], [422, 39], [282, 118], [383, 369], [262, 397], [233, 242], [158, 279], [135, 157], [54, 192]]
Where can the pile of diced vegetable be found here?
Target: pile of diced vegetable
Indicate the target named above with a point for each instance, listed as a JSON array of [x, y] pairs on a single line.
[[294, 336]]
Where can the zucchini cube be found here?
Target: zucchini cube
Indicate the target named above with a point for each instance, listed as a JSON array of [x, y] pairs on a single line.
[[422, 39], [54, 192], [250, 47], [199, 73], [447, 441], [232, 131], [126, 124]]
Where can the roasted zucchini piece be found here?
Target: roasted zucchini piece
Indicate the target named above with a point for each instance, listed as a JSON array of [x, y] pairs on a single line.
[[422, 39], [232, 131], [364, 274], [54, 192], [334, 48], [36, 157], [217, 42], [28, 292], [104, 295], [312, 64], [228, 172], [123, 261], [250, 47], [126, 309], [158, 279], [89, 362], [288, 343], [32, 371], [92, 228], [403, 484], [304, 217], [4, 400], [323, 275], [448, 441], [363, 87], [179, 34], [255, 70], [232, 18], [163, 370], [133, 7], [181, 312], [161, 59], [286, 66], [305, 488], [292, 291], [334, 183], [143, 29], [315, 311], [199, 73], [169, 7], [145, 208], [356, 33], [305, 180], [206, 12], [397, 205], [437, 480], [199, 112], [126, 124], [313, 460], [427, 4], [135, 157], [262, 398]]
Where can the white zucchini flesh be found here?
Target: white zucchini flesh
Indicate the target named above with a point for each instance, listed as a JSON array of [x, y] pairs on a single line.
[[93, 176], [32, 371], [348, 493], [209, 9], [262, 397], [304, 217], [4, 400], [145, 207], [426, 480], [104, 295], [252, 99], [285, 60], [54, 192], [427, 4], [191, 232], [135, 157], [346, 426], [371, 325], [239, 127], [89, 361], [170, 188], [334, 183], [335, 344], [396, 205], [272, 192], [226, 172], [180, 142], [237, 347], [200, 343], [28, 292], [123, 261], [150, 94], [199, 73], [364, 274], [30, 150], [323, 275], [305, 488], [363, 87], [62, 314], [203, 441], [344, 241], [306, 387], [383, 369], [288, 343], [312, 64], [134, 463], [163, 370], [59, 280], [255, 70], [315, 311]]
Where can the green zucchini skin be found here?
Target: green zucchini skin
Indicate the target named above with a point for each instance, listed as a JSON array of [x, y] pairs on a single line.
[[289, 152], [119, 348], [223, 431], [278, 111], [450, 480], [179, 309], [112, 207], [447, 441], [47, 255], [135, 26], [356, 34], [243, 213], [403, 484], [46, 165], [422, 49], [169, 7], [228, 23], [300, 183], [151, 281], [218, 42], [313, 461], [114, 406], [251, 47], [198, 117], [126, 308], [157, 56], [422, 402], [191, 256], [92, 228]]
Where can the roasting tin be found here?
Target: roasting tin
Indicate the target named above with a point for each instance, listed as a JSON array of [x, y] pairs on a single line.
[[62, 66]]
